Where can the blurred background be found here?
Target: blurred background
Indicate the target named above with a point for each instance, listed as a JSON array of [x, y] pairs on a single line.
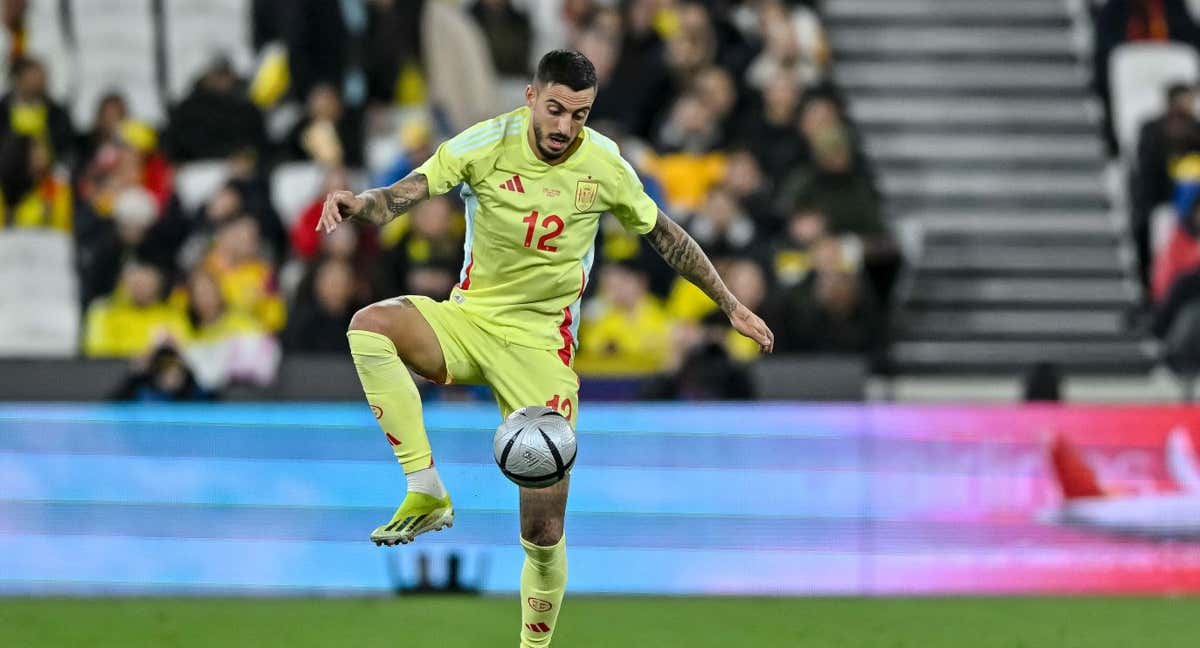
[[973, 226]]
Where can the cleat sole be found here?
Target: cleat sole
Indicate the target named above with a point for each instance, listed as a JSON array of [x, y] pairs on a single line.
[[403, 538]]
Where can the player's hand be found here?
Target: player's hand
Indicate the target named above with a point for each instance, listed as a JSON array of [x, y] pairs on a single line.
[[339, 205], [752, 326]]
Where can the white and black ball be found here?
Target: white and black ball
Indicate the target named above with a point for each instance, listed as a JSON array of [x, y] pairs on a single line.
[[535, 447]]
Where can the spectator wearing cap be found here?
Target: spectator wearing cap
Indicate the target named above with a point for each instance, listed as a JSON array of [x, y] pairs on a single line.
[[31, 194], [28, 110], [135, 318]]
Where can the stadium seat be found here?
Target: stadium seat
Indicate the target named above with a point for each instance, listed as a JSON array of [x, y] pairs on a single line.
[[282, 118], [115, 51], [196, 182], [381, 152], [293, 186], [34, 249], [1162, 223], [197, 31], [39, 294], [1140, 73]]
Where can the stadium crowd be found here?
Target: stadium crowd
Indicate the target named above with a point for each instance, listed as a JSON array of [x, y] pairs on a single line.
[[725, 108]]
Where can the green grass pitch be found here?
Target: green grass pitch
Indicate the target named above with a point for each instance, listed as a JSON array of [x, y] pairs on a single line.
[[597, 622]]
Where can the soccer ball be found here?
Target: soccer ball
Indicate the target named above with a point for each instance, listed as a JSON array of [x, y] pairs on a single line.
[[535, 447]]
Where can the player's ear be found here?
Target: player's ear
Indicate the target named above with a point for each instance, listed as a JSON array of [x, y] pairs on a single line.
[[530, 94]]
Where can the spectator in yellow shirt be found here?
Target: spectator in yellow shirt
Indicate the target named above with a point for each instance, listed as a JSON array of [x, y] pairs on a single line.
[[134, 318], [247, 280], [225, 345], [31, 195], [625, 331]]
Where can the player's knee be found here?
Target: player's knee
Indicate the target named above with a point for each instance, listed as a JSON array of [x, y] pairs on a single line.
[[373, 318], [543, 533]]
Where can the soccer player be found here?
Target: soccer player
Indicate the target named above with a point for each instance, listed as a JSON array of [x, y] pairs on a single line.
[[535, 182]]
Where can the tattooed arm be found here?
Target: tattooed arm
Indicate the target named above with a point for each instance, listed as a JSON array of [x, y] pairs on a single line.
[[378, 206], [682, 253]]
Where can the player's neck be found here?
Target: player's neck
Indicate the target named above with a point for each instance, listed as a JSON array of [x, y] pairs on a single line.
[[531, 140]]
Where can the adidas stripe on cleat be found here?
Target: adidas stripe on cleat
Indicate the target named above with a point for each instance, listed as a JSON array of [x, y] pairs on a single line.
[[418, 513]]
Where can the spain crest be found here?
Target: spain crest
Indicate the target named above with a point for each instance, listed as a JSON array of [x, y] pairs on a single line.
[[585, 194]]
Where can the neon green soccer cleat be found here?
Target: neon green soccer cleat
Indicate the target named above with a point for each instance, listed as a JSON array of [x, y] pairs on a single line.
[[418, 513]]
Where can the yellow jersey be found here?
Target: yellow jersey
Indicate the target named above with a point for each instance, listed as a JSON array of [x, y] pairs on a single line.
[[531, 226]]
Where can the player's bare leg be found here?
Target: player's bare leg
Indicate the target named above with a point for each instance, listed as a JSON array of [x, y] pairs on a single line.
[[544, 576], [413, 337], [386, 339]]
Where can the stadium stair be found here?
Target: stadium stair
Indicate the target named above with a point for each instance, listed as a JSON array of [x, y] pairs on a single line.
[[977, 117]]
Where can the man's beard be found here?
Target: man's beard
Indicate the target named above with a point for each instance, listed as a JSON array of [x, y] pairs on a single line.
[[546, 153]]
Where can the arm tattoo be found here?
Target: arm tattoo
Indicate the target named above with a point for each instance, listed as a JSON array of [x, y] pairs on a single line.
[[682, 253], [386, 203]]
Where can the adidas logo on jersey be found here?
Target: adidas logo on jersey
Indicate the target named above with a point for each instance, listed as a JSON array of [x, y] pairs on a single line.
[[513, 184]]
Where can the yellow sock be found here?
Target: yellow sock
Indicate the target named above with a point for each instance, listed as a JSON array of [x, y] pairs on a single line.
[[393, 397], [543, 583]]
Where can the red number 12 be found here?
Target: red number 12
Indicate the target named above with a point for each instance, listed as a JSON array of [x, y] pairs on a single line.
[[552, 222]]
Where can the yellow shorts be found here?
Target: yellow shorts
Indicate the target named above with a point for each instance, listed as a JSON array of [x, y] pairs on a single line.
[[520, 376]]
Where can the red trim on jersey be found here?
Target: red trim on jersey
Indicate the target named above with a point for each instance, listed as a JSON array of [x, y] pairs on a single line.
[[564, 330], [520, 187], [466, 282], [509, 185]]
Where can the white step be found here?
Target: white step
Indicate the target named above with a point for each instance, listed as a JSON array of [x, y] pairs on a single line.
[[977, 221], [960, 355], [1074, 259], [1016, 184], [965, 147], [880, 9], [994, 291], [965, 75], [907, 40], [973, 112], [928, 324], [1009, 224]]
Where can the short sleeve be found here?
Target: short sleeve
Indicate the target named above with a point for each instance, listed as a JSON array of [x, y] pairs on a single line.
[[443, 170], [632, 206]]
